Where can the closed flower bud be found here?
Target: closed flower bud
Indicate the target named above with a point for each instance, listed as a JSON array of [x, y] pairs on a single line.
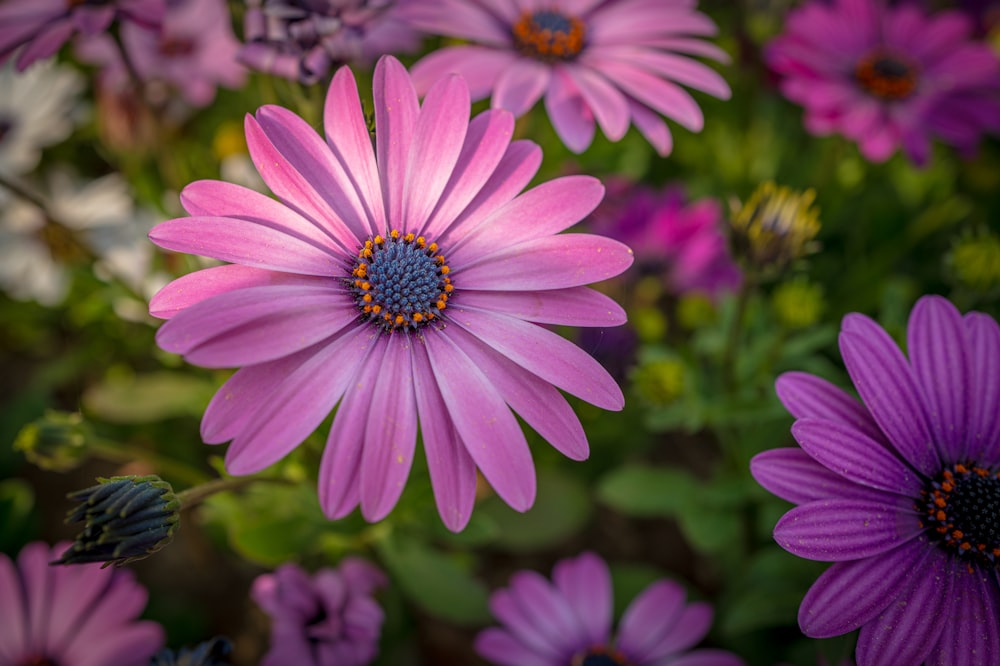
[[974, 262], [213, 652], [776, 226], [56, 442]]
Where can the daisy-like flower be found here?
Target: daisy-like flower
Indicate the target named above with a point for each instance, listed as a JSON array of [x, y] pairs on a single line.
[[80, 615], [43, 26], [888, 76], [330, 617], [615, 62], [568, 622], [303, 39], [406, 283], [901, 491]]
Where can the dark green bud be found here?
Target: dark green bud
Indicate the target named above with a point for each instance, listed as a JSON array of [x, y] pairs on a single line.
[[125, 518], [57, 442], [213, 652]]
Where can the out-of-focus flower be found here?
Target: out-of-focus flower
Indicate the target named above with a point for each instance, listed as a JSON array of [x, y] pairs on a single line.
[[900, 491], [43, 26], [213, 652], [87, 218], [406, 281], [330, 617], [974, 262], [888, 76], [303, 39], [798, 303], [76, 616], [57, 441], [775, 226], [38, 108], [569, 621], [681, 241], [125, 518], [193, 52], [615, 62], [660, 382]]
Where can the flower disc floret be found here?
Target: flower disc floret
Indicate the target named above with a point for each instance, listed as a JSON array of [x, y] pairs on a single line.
[[548, 35], [887, 75], [962, 513], [400, 281], [600, 656]]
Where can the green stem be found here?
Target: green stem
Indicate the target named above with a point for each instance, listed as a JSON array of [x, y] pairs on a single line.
[[193, 496], [730, 354]]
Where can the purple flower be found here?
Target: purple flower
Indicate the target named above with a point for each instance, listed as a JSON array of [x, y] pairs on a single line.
[[328, 618], [80, 615], [568, 622], [409, 281], [900, 491], [193, 52], [43, 26], [684, 242], [302, 39], [888, 76], [616, 62]]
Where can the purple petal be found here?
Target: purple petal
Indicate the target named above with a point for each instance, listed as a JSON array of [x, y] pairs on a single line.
[[614, 23], [546, 607], [806, 395], [649, 617], [692, 626], [702, 658], [984, 406], [396, 112], [457, 18], [452, 470], [519, 86], [542, 211], [514, 613], [348, 138], [256, 324], [14, 628], [533, 399], [480, 66], [906, 631], [885, 383], [971, 635], [45, 44], [247, 243], [500, 647], [120, 604], [133, 644], [855, 456], [662, 96], [571, 117], [835, 530], [549, 356], [936, 342], [585, 583], [794, 476], [36, 585], [298, 404], [80, 591], [437, 141], [490, 432], [575, 306], [849, 595], [605, 101], [391, 433]]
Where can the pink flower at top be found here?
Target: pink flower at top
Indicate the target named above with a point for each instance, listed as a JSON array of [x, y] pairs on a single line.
[[615, 62], [683, 241], [43, 26], [330, 617], [412, 281], [888, 76], [78, 615], [193, 52]]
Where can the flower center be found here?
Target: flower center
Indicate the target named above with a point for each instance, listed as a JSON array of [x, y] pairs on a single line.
[[600, 655], [548, 35], [400, 281], [887, 76], [38, 661], [173, 47], [961, 508]]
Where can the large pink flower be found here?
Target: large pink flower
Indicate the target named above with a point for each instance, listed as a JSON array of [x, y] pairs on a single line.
[[887, 77], [403, 283], [613, 61]]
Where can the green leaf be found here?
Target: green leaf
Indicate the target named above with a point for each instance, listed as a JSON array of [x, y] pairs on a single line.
[[648, 491], [434, 580], [148, 398]]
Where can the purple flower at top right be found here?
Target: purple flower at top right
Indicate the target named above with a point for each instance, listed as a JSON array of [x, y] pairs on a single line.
[[901, 491], [888, 76]]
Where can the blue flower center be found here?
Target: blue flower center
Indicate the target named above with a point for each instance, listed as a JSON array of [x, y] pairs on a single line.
[[887, 76], [400, 282], [961, 512], [548, 35], [600, 655]]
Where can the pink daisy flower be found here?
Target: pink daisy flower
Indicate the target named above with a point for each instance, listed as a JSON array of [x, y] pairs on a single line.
[[79, 615], [888, 76], [406, 283], [43, 26], [615, 62]]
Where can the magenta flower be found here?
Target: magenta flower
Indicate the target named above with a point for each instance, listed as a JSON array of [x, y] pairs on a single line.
[[409, 282], [615, 62], [684, 242], [327, 618], [900, 491], [888, 76], [43, 26], [568, 622], [80, 615], [303, 39]]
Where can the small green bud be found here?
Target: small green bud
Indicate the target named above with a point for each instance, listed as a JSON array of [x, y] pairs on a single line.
[[696, 311], [125, 518], [974, 262], [660, 382], [797, 303], [57, 442]]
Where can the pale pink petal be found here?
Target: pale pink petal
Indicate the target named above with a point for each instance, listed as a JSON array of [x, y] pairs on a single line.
[[480, 66], [499, 647], [662, 96], [571, 117], [608, 105], [520, 85], [586, 584], [652, 127], [649, 616], [395, 119], [575, 306]]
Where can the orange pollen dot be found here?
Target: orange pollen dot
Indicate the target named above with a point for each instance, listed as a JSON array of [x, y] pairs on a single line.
[[441, 305], [445, 270], [549, 35], [378, 240], [409, 238], [376, 309], [394, 234], [888, 76], [417, 317]]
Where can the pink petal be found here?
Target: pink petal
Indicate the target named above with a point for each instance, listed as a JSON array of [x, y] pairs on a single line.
[[480, 66], [662, 96], [500, 647], [649, 617], [571, 117], [543, 603], [575, 306], [677, 68], [585, 582], [514, 613], [131, 645], [520, 85], [605, 101], [457, 18], [13, 608], [396, 112], [686, 632], [652, 127]]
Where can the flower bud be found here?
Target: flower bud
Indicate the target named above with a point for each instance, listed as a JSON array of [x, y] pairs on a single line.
[[55, 442], [776, 226], [213, 652]]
